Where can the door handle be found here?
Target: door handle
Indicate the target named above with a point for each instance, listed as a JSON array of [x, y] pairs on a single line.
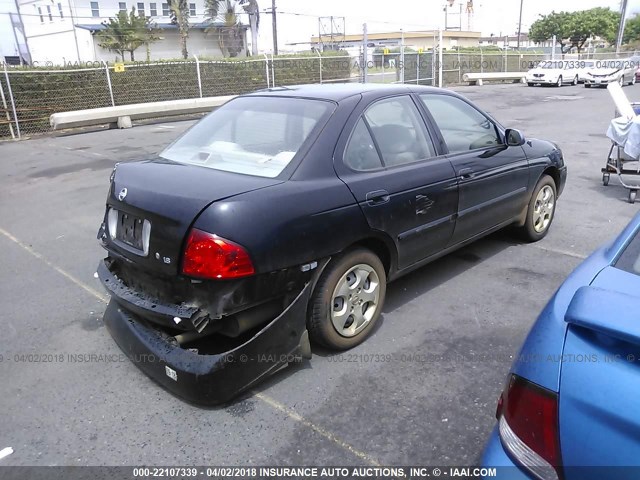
[[378, 197], [466, 173]]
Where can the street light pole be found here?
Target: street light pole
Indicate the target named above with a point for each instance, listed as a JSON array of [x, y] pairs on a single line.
[[274, 26], [623, 14], [520, 23]]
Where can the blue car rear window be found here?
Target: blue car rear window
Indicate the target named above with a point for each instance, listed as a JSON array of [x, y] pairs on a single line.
[[629, 261]]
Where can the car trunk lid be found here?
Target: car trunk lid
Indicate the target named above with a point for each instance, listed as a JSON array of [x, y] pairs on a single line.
[[600, 378], [157, 201]]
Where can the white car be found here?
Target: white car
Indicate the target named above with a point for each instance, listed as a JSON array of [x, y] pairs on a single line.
[[585, 67], [557, 72], [609, 71]]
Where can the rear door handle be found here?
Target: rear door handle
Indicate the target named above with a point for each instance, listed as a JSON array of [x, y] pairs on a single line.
[[466, 173], [377, 197]]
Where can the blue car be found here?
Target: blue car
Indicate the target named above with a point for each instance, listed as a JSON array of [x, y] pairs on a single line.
[[571, 405]]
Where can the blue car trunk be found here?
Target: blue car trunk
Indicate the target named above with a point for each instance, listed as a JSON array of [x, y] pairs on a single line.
[[600, 379]]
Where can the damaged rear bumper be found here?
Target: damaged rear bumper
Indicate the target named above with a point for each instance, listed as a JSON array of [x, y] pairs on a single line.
[[213, 378]]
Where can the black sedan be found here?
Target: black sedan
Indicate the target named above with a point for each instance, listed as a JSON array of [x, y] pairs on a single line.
[[281, 217]]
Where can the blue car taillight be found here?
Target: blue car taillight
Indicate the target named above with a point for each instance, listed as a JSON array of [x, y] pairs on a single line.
[[528, 424]]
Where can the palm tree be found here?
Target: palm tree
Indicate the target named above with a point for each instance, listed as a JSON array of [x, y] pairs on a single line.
[[251, 7], [126, 32], [180, 17], [231, 35]]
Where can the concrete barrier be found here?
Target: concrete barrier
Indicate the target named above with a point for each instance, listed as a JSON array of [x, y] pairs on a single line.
[[479, 78], [124, 114]]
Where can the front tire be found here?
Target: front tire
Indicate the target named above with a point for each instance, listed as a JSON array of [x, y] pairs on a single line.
[[347, 300], [541, 210]]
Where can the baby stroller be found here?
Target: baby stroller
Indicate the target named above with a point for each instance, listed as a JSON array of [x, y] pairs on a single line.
[[621, 163]]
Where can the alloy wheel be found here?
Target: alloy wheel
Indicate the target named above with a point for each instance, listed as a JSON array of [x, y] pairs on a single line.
[[355, 300], [543, 209]]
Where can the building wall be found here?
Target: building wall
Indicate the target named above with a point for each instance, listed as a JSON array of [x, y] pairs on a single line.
[[169, 47], [8, 45], [54, 38]]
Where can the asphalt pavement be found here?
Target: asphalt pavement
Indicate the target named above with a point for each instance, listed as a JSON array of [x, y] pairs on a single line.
[[421, 391]]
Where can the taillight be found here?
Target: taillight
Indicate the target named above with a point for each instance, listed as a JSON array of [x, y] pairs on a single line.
[[209, 256], [528, 421]]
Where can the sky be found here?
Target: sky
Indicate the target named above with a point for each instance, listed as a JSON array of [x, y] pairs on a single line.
[[298, 19], [491, 16]]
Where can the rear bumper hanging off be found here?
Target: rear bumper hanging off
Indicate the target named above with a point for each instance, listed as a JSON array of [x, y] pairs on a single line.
[[217, 378]]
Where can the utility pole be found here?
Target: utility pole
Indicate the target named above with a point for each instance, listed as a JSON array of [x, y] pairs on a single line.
[[520, 24], [623, 14], [365, 55], [274, 26]]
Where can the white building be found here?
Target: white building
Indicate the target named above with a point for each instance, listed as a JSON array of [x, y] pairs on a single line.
[[13, 45], [63, 31]]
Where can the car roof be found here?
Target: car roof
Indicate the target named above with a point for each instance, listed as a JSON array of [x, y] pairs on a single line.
[[339, 91]]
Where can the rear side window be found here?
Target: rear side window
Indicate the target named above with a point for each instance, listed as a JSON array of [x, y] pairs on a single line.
[[463, 127], [361, 153], [399, 131]]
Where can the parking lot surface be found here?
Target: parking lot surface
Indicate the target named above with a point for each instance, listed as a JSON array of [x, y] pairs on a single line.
[[421, 390]]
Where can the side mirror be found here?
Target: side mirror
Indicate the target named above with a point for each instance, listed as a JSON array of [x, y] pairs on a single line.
[[514, 137]]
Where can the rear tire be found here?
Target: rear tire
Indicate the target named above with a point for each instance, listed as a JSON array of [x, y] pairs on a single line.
[[541, 210], [347, 301]]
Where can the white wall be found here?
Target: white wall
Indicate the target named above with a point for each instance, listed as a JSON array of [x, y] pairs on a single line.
[[169, 47], [58, 40], [8, 45]]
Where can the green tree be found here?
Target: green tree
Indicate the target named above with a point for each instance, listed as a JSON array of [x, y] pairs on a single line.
[[126, 32], [179, 13], [632, 30], [574, 29], [231, 34]]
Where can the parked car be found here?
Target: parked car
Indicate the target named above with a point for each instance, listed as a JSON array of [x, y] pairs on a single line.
[[634, 62], [610, 71], [556, 72], [283, 215], [569, 408], [585, 66]]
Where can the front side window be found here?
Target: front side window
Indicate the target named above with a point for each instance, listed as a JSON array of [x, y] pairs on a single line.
[[463, 127], [252, 135], [399, 131]]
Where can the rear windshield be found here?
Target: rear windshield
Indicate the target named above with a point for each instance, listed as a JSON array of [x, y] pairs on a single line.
[[251, 135]]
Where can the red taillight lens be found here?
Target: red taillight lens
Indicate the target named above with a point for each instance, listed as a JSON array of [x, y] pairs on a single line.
[[532, 414], [208, 256]]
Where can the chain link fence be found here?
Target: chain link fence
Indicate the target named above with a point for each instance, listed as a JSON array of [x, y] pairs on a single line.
[[28, 96]]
